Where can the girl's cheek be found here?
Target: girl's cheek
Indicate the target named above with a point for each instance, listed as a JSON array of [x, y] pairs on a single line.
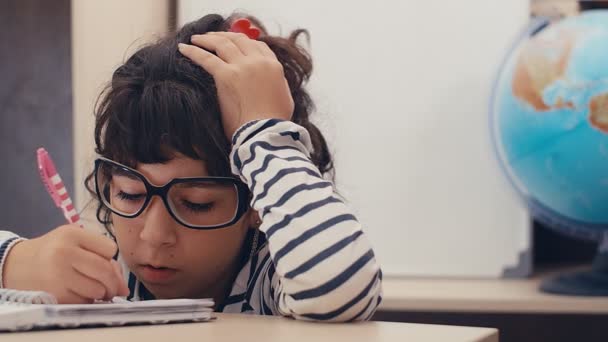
[[126, 232]]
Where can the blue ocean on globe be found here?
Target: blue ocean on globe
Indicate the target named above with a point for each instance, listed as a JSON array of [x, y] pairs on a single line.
[[549, 118]]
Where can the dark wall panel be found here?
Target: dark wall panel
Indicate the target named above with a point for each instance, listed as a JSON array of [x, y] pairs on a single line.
[[35, 109]]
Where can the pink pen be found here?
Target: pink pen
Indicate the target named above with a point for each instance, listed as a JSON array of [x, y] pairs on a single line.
[[54, 185]]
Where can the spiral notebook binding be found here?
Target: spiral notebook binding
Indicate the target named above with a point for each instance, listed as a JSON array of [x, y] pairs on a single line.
[[26, 297]]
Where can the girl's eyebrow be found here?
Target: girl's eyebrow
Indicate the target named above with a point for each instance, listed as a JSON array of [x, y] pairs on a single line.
[[125, 173], [201, 182]]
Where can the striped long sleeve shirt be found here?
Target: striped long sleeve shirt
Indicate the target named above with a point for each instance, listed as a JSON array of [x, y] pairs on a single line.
[[313, 262]]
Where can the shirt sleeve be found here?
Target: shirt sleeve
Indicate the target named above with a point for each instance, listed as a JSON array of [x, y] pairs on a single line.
[[321, 265], [7, 241]]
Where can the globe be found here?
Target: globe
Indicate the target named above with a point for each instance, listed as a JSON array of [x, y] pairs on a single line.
[[549, 120]]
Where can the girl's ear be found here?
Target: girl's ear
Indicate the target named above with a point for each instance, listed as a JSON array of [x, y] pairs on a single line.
[[254, 218]]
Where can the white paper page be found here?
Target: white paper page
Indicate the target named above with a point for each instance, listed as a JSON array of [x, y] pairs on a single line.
[[19, 316]]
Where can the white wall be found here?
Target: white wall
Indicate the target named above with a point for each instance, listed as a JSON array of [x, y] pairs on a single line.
[[104, 33], [402, 89]]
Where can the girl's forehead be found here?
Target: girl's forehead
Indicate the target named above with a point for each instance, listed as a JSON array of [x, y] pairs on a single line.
[[177, 167]]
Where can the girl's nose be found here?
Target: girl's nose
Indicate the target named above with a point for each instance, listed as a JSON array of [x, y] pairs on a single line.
[[159, 226]]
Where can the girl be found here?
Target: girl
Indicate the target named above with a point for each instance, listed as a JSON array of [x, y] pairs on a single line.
[[178, 121]]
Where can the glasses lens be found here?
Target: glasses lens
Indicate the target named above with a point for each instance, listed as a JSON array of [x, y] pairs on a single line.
[[121, 190], [203, 203]]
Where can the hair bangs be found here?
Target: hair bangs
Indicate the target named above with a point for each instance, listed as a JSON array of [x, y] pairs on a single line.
[[163, 119]]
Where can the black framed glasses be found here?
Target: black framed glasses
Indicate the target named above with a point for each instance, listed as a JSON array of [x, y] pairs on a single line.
[[194, 202]]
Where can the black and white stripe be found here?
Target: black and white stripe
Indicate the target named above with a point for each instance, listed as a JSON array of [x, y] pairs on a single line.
[[7, 241], [321, 265]]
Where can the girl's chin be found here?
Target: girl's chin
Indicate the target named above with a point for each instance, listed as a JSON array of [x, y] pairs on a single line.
[[163, 291]]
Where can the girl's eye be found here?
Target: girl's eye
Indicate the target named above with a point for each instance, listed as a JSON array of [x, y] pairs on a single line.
[[197, 207], [129, 197]]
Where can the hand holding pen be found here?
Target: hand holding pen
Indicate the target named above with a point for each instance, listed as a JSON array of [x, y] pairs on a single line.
[[73, 264]]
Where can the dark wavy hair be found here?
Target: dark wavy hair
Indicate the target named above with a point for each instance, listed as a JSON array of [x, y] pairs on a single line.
[[159, 103]]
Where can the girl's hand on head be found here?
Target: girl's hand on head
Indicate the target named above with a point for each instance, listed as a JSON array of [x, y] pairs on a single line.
[[250, 81], [71, 263]]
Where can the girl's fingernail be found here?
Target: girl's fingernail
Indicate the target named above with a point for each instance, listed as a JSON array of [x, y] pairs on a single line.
[[181, 46]]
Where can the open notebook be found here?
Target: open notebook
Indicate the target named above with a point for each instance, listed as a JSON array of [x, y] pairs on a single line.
[[25, 310]]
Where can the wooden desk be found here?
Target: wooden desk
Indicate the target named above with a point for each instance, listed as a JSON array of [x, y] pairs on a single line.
[[484, 295], [515, 306], [239, 328]]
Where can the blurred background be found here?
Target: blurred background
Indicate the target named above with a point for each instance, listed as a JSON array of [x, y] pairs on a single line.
[[404, 93]]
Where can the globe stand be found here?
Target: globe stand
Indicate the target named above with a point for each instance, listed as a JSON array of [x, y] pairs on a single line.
[[593, 282]]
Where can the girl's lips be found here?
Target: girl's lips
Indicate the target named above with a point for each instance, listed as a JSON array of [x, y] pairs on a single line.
[[153, 274]]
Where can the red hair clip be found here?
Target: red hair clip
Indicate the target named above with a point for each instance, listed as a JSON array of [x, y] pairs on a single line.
[[243, 25]]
